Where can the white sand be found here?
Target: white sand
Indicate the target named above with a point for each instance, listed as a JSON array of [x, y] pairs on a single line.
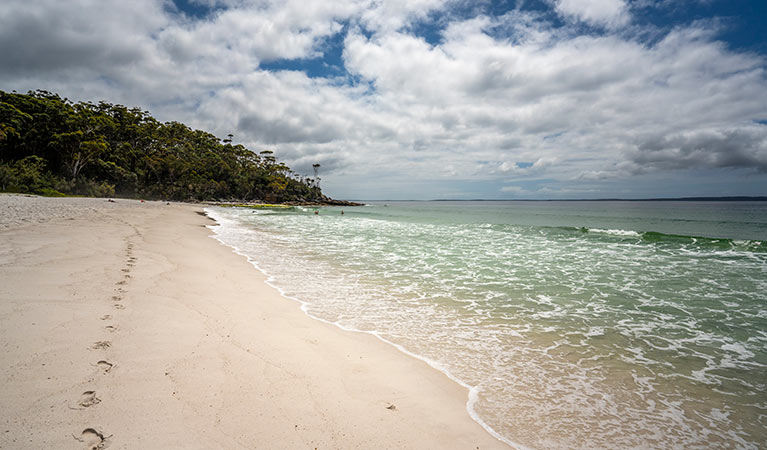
[[125, 322]]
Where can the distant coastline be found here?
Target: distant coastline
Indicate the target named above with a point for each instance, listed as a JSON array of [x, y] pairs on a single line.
[[660, 199]]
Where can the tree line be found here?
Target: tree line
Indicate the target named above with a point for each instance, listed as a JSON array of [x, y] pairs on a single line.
[[52, 146]]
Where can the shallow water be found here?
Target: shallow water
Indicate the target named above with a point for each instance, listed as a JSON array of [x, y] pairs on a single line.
[[576, 324]]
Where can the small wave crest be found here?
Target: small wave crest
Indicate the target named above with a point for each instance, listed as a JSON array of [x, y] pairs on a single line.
[[700, 242], [615, 232]]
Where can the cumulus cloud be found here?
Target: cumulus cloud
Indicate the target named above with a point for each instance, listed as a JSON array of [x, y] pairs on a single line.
[[728, 148], [495, 91], [49, 35], [516, 190], [392, 15], [603, 90], [606, 13]]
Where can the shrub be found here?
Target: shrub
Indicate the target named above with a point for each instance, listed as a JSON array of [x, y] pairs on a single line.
[[7, 177], [29, 175], [91, 188], [48, 192]]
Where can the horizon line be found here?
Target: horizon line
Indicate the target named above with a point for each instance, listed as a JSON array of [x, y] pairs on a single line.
[[731, 198]]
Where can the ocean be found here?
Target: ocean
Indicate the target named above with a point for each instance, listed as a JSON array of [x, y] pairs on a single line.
[[604, 324]]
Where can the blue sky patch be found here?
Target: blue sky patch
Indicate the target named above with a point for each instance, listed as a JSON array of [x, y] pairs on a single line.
[[192, 9]]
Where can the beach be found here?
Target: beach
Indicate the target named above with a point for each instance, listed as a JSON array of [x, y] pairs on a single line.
[[124, 325]]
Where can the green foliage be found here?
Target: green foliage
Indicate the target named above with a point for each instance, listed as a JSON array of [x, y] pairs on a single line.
[[7, 177], [49, 145], [11, 119], [48, 192], [29, 175], [92, 188]]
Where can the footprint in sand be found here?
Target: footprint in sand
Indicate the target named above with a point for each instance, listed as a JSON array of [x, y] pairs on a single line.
[[88, 399], [101, 345], [106, 317], [110, 328], [93, 439], [118, 306], [116, 298], [104, 366], [119, 283]]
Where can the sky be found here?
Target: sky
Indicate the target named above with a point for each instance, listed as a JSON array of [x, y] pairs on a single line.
[[431, 99]]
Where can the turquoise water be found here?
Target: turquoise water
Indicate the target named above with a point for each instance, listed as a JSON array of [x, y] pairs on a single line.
[[574, 324]]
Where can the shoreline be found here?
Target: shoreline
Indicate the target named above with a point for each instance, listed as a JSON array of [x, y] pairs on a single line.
[[201, 352], [471, 392]]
